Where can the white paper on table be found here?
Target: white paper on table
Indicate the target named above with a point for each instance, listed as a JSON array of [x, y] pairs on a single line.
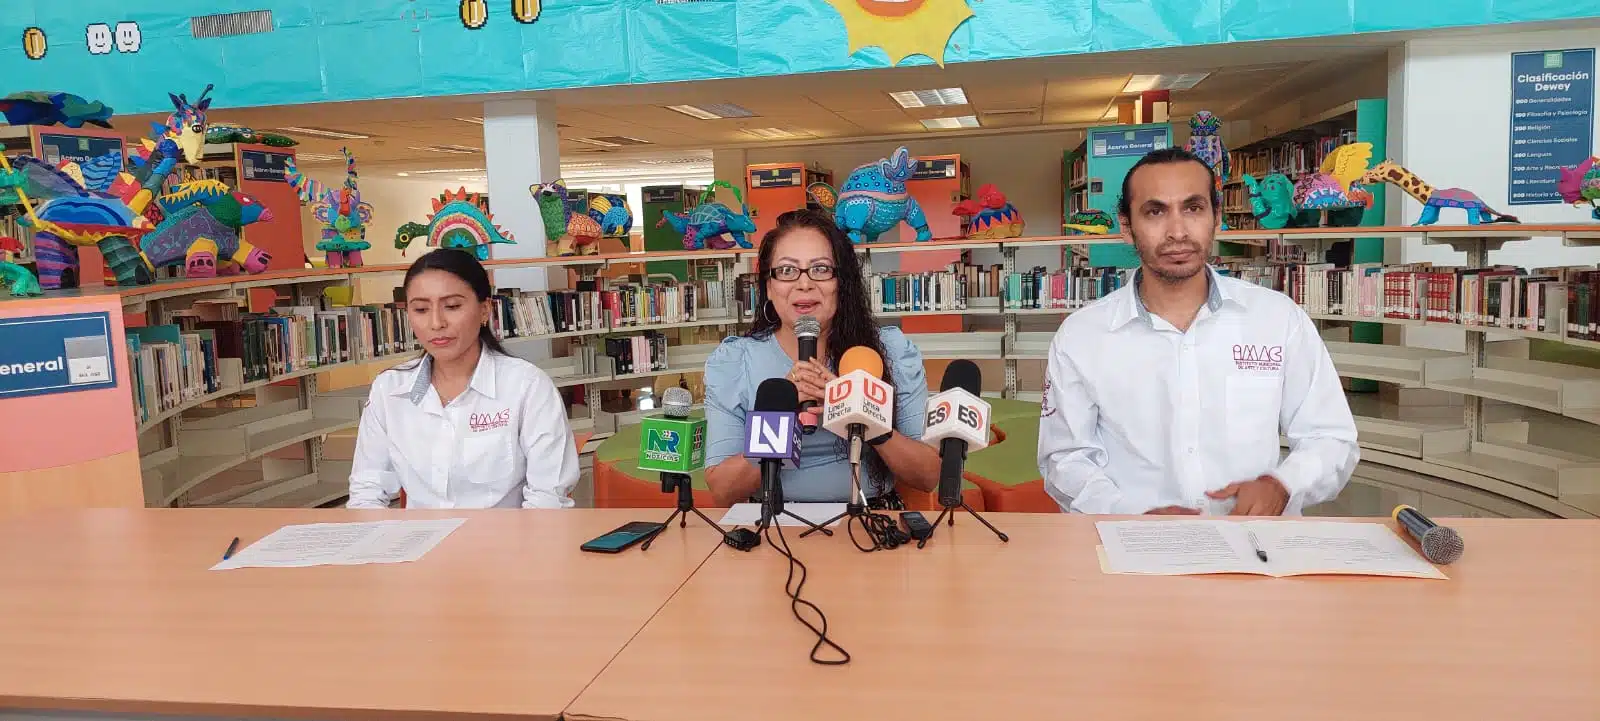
[[749, 514], [343, 544], [1293, 548]]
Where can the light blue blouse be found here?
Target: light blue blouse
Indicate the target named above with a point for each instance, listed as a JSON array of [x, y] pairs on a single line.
[[738, 366]]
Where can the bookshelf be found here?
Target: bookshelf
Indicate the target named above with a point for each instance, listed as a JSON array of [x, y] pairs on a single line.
[[1480, 441]]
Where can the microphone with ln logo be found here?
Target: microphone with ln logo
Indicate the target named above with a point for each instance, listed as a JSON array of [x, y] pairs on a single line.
[[772, 440], [674, 445]]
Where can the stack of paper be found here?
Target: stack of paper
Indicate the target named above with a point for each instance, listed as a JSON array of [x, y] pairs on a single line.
[[343, 544], [1292, 548]]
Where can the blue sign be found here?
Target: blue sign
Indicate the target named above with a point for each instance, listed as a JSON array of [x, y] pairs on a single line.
[[265, 167], [54, 148], [56, 354], [1122, 143], [1552, 121]]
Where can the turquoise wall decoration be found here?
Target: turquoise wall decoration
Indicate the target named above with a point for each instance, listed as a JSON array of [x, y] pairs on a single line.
[[128, 53]]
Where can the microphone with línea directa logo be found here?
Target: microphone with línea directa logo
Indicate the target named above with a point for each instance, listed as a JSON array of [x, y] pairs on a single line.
[[1440, 544]]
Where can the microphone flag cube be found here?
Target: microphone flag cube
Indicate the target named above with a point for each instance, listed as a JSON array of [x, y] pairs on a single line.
[[672, 445], [858, 398], [955, 413], [772, 435]]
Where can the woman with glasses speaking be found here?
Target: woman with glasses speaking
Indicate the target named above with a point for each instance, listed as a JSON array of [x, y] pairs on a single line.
[[807, 267]]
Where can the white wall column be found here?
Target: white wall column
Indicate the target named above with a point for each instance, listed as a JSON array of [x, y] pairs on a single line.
[[521, 148], [728, 165]]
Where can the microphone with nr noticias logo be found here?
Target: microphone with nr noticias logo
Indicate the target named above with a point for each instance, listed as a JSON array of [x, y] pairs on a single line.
[[958, 422], [674, 445], [1440, 544]]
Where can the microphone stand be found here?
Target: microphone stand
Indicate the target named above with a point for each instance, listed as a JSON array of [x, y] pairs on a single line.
[[772, 502], [953, 454], [856, 507], [680, 482]]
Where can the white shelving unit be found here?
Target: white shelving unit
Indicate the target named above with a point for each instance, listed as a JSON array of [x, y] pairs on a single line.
[[1460, 450]]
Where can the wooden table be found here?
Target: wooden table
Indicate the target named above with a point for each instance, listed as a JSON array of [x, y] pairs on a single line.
[[970, 628], [114, 611]]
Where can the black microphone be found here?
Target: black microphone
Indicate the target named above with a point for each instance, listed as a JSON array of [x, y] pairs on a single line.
[[1440, 544], [772, 437], [806, 330], [954, 440]]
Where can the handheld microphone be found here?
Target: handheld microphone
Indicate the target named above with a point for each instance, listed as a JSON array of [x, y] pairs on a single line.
[[806, 330], [1440, 544], [672, 443], [958, 422], [859, 406], [772, 437]]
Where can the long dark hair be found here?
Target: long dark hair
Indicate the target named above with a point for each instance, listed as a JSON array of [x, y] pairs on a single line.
[[853, 322], [463, 265]]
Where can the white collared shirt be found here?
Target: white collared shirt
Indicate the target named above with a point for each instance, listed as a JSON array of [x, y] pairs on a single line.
[[503, 443], [1138, 415]]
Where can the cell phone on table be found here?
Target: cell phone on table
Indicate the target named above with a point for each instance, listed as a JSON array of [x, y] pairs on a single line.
[[619, 539]]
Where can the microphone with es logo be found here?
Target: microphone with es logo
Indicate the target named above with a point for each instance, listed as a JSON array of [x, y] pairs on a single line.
[[772, 440], [1440, 544], [806, 330], [958, 422], [674, 445]]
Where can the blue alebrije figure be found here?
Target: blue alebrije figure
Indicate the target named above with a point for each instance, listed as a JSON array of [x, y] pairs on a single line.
[[874, 199], [1205, 141]]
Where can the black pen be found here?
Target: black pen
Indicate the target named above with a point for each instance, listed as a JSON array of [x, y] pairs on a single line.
[[1256, 545], [234, 546]]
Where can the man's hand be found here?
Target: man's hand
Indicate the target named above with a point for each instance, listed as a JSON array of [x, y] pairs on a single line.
[[1172, 511], [810, 378], [1264, 496]]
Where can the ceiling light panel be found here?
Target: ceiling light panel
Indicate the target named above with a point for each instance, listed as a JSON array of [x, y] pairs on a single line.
[[956, 123], [775, 133], [930, 98], [447, 171], [316, 157], [1182, 81], [713, 111], [450, 149], [596, 142]]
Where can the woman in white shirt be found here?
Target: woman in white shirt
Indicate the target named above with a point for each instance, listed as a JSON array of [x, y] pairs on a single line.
[[466, 425]]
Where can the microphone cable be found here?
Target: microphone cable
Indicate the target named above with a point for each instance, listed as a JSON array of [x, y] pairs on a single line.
[[880, 528], [792, 589]]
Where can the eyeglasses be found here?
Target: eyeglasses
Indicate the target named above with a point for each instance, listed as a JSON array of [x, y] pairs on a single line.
[[787, 273]]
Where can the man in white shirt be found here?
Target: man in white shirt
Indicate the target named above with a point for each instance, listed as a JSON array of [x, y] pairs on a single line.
[[1168, 395]]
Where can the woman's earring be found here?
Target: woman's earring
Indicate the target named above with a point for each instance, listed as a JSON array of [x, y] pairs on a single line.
[[772, 309]]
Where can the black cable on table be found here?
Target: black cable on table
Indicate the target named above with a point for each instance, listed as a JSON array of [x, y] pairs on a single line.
[[792, 589]]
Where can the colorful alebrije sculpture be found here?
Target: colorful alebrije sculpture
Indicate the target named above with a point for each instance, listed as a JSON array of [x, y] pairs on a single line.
[[1435, 199], [874, 200], [1205, 141], [572, 233], [711, 224], [1337, 187], [47, 108], [459, 220], [203, 229], [1581, 184], [18, 279], [99, 205], [611, 211], [989, 216], [343, 215], [1089, 222], [226, 133]]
